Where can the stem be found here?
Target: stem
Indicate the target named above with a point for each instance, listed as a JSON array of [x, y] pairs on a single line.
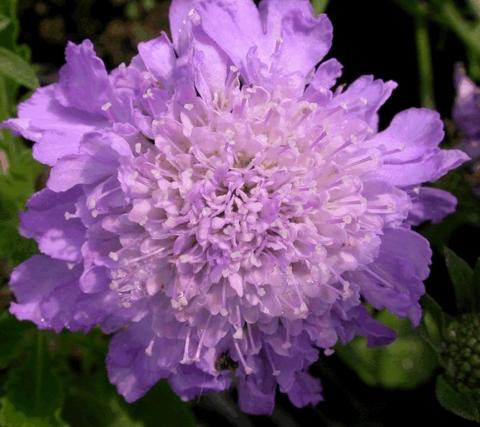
[[473, 64], [424, 58], [475, 8], [458, 25], [412, 7], [223, 405]]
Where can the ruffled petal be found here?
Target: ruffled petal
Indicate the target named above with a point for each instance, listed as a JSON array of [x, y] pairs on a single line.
[[256, 396], [431, 204], [395, 279], [84, 82], [411, 152], [290, 24], [47, 293], [159, 57], [98, 159], [56, 130], [190, 382], [364, 97], [323, 80], [52, 222], [233, 24], [305, 390], [131, 367]]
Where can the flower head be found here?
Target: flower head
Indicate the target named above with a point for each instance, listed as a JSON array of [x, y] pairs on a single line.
[[221, 209], [461, 352]]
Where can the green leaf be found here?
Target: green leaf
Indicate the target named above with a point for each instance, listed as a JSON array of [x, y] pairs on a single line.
[[9, 34], [461, 275], [405, 364], [465, 405], [13, 247], [15, 188], [320, 6], [161, 400], [92, 401], [16, 68], [33, 393], [10, 416], [13, 336], [437, 315]]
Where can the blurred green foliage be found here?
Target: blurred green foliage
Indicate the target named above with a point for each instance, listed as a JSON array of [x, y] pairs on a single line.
[[405, 364]]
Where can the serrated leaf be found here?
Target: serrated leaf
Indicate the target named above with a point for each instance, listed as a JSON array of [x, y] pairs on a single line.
[[405, 364], [16, 68], [465, 405], [461, 275]]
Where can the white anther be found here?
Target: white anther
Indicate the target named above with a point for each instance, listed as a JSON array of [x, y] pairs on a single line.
[[148, 94], [91, 203], [106, 106], [238, 335], [68, 216], [138, 148], [147, 75], [188, 107], [113, 255]]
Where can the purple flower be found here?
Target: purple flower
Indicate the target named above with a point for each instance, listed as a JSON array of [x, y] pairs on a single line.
[[466, 114], [223, 211]]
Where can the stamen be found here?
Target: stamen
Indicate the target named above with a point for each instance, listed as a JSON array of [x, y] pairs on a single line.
[[248, 370]]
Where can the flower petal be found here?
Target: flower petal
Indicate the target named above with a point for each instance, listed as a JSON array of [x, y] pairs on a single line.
[[431, 204], [410, 144], [50, 220], [56, 130], [395, 279]]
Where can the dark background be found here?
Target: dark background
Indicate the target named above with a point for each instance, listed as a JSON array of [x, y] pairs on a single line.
[[371, 37]]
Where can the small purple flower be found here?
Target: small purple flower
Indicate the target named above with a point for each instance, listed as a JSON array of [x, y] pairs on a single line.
[[223, 211], [466, 114]]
